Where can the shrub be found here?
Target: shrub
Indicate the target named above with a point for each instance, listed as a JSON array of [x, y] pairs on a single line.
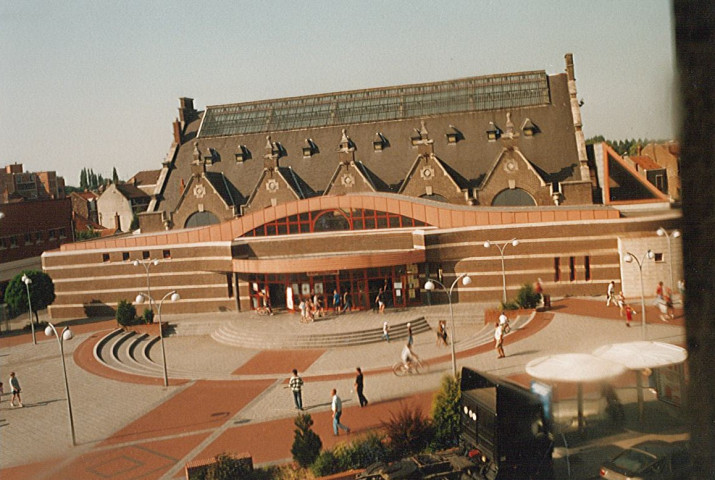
[[363, 452], [306, 443], [527, 296], [409, 431], [126, 313], [509, 305], [326, 463], [445, 414], [227, 468], [148, 316]]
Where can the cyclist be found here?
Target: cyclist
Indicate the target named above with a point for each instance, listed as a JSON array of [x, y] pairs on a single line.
[[408, 356]]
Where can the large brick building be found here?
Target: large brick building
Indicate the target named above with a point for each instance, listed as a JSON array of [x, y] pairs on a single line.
[[377, 188]]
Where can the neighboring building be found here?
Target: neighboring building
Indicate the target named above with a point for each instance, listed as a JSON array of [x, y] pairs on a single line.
[[146, 181], [667, 155], [15, 184], [654, 173], [29, 228], [378, 188], [119, 204], [84, 205]]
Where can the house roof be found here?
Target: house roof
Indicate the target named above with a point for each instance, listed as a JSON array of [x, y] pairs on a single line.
[[463, 104], [645, 163], [87, 195], [130, 191], [145, 177]]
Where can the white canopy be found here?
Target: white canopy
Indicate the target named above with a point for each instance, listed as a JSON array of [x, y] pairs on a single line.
[[641, 355], [573, 367]]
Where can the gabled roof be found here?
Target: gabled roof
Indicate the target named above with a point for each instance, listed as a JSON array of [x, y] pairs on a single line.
[[87, 195], [130, 191], [145, 177], [645, 163], [230, 195]]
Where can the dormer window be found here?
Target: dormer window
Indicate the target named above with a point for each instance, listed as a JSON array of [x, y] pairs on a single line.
[[494, 132], [529, 128], [210, 156], [242, 153], [379, 142], [309, 148], [453, 135]]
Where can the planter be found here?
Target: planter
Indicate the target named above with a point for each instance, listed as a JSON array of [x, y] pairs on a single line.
[[491, 315], [148, 328]]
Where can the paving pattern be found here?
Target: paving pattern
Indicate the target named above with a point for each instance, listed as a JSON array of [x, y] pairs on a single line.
[[130, 426]]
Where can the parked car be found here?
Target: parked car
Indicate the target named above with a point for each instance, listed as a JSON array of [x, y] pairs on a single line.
[[650, 460]]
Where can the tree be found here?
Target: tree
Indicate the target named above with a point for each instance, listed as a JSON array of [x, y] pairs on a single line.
[[88, 234], [227, 468], [445, 413], [42, 292], [306, 443], [115, 176], [83, 182]]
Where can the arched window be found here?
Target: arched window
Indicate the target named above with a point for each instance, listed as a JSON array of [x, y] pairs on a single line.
[[331, 222], [513, 197], [201, 219]]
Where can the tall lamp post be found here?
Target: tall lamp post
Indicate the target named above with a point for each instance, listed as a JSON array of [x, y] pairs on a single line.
[[629, 258], [66, 335], [429, 286], [147, 265], [28, 281], [513, 242], [669, 235], [174, 295]]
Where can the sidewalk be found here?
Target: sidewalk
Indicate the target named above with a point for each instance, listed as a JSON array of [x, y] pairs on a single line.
[[128, 430]]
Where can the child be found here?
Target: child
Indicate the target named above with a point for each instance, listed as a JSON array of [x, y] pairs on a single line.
[[629, 315]]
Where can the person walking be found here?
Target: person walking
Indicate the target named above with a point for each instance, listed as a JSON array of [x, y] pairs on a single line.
[[504, 323], [296, 386], [629, 315], [347, 301], [499, 340], [380, 301], [621, 300], [610, 293], [410, 340], [386, 332], [442, 334], [337, 408], [359, 384], [15, 389], [336, 302]]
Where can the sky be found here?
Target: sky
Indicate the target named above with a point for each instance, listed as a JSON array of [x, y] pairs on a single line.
[[96, 84]]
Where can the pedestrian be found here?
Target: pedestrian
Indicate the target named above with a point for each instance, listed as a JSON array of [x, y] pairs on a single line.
[[504, 323], [539, 290], [337, 408], [359, 384], [442, 333], [386, 332], [610, 293], [621, 303], [499, 340], [380, 301], [336, 301], [629, 315], [670, 309], [15, 388], [303, 309], [347, 301], [296, 386], [2, 391], [659, 291], [410, 340]]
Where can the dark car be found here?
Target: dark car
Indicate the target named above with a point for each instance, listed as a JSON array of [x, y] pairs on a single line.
[[651, 460]]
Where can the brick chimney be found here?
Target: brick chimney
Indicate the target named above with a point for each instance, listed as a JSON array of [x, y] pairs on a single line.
[[187, 112], [177, 131]]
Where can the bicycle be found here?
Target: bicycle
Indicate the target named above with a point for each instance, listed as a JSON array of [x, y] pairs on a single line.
[[416, 367]]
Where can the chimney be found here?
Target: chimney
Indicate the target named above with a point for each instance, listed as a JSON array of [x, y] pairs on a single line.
[[569, 67], [187, 113], [177, 131], [273, 153], [117, 222]]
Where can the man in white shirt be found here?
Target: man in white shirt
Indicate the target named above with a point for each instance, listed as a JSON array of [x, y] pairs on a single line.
[[337, 408], [498, 340]]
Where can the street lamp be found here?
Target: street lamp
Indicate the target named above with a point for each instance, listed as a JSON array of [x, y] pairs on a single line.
[[66, 335], [513, 242], [174, 297], [28, 281], [628, 258], [429, 286], [147, 264], [669, 235]]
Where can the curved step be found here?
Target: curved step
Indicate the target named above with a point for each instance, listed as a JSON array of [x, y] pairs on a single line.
[[235, 334]]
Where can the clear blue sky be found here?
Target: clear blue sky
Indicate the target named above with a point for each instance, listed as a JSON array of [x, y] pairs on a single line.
[[96, 83]]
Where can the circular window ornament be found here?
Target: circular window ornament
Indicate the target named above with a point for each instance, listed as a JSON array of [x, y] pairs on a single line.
[[511, 165], [348, 180], [199, 191], [427, 173], [272, 185]]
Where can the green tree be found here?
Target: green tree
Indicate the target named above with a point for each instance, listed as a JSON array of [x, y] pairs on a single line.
[[83, 184], [42, 292], [445, 414], [408, 432], [306, 443], [88, 234], [527, 296], [135, 222], [227, 468], [115, 176], [126, 313]]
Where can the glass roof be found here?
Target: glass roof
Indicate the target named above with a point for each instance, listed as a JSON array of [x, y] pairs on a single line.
[[379, 104]]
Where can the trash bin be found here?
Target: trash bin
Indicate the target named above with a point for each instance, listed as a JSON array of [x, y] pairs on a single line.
[[547, 302]]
